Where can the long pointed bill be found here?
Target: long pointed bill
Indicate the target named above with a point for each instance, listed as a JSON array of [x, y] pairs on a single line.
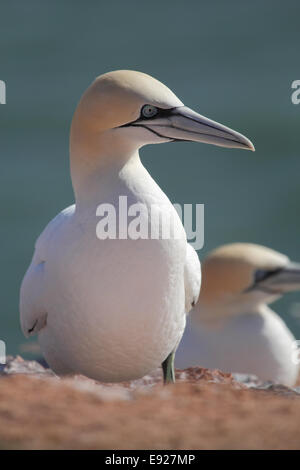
[[285, 279], [183, 123]]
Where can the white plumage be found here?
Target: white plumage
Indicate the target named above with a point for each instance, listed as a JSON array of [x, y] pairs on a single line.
[[115, 309], [232, 328]]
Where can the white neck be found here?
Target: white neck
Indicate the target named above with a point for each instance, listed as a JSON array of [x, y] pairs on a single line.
[[220, 313], [97, 160]]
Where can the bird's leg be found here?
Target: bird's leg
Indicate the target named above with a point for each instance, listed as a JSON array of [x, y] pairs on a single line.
[[168, 368]]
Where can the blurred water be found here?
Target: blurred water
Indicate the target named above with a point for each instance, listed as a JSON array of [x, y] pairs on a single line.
[[232, 61]]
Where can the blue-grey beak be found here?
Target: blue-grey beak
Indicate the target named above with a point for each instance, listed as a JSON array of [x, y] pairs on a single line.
[[183, 123], [283, 279]]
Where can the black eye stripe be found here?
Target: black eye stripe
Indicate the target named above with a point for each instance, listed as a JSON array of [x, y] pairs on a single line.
[[155, 132], [260, 276], [263, 274], [160, 113]]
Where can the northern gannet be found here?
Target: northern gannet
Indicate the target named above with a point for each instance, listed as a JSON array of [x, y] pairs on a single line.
[[114, 309], [236, 330]]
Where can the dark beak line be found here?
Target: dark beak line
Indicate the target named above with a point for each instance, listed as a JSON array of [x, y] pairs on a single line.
[[274, 288], [221, 134], [162, 113], [154, 132], [257, 284], [172, 112], [181, 140], [195, 120]]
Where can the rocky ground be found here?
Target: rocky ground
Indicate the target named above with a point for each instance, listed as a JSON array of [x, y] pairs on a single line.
[[204, 410]]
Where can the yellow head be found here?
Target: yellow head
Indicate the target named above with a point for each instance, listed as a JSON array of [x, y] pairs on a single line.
[[123, 110], [238, 277]]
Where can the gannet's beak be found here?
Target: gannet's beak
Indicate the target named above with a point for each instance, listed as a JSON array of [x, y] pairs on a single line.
[[184, 124], [280, 280]]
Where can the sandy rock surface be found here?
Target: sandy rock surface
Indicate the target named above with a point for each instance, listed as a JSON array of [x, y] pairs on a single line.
[[204, 410]]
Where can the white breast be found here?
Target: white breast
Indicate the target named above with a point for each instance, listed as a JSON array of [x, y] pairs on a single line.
[[115, 308], [255, 343]]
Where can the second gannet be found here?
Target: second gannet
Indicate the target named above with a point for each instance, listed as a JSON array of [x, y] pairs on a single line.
[[114, 309], [236, 330]]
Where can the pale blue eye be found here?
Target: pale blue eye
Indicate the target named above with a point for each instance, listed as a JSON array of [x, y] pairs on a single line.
[[149, 111]]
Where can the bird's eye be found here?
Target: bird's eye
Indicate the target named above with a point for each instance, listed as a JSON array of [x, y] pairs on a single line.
[[149, 111]]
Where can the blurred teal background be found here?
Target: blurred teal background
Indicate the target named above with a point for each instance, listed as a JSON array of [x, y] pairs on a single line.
[[231, 61]]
